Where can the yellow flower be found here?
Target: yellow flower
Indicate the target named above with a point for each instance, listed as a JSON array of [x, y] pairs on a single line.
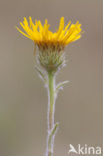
[[45, 39]]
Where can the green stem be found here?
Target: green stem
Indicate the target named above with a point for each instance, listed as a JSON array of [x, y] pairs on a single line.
[[51, 100], [51, 109]]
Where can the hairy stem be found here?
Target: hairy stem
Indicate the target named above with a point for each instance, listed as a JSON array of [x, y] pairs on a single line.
[[51, 109], [51, 102]]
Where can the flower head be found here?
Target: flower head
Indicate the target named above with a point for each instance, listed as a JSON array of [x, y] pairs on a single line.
[[44, 38], [50, 44]]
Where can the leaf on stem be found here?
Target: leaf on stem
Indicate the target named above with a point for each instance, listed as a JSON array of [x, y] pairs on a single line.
[[52, 133], [60, 86], [41, 74]]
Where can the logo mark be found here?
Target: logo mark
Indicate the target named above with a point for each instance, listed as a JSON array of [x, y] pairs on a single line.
[[81, 150], [72, 149]]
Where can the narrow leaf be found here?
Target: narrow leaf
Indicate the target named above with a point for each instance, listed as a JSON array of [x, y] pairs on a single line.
[[61, 85], [41, 74], [52, 133]]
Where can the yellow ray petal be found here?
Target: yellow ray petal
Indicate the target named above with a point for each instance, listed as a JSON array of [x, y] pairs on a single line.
[[41, 34], [61, 26], [23, 33]]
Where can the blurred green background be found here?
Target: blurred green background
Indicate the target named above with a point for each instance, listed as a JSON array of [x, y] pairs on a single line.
[[23, 98]]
